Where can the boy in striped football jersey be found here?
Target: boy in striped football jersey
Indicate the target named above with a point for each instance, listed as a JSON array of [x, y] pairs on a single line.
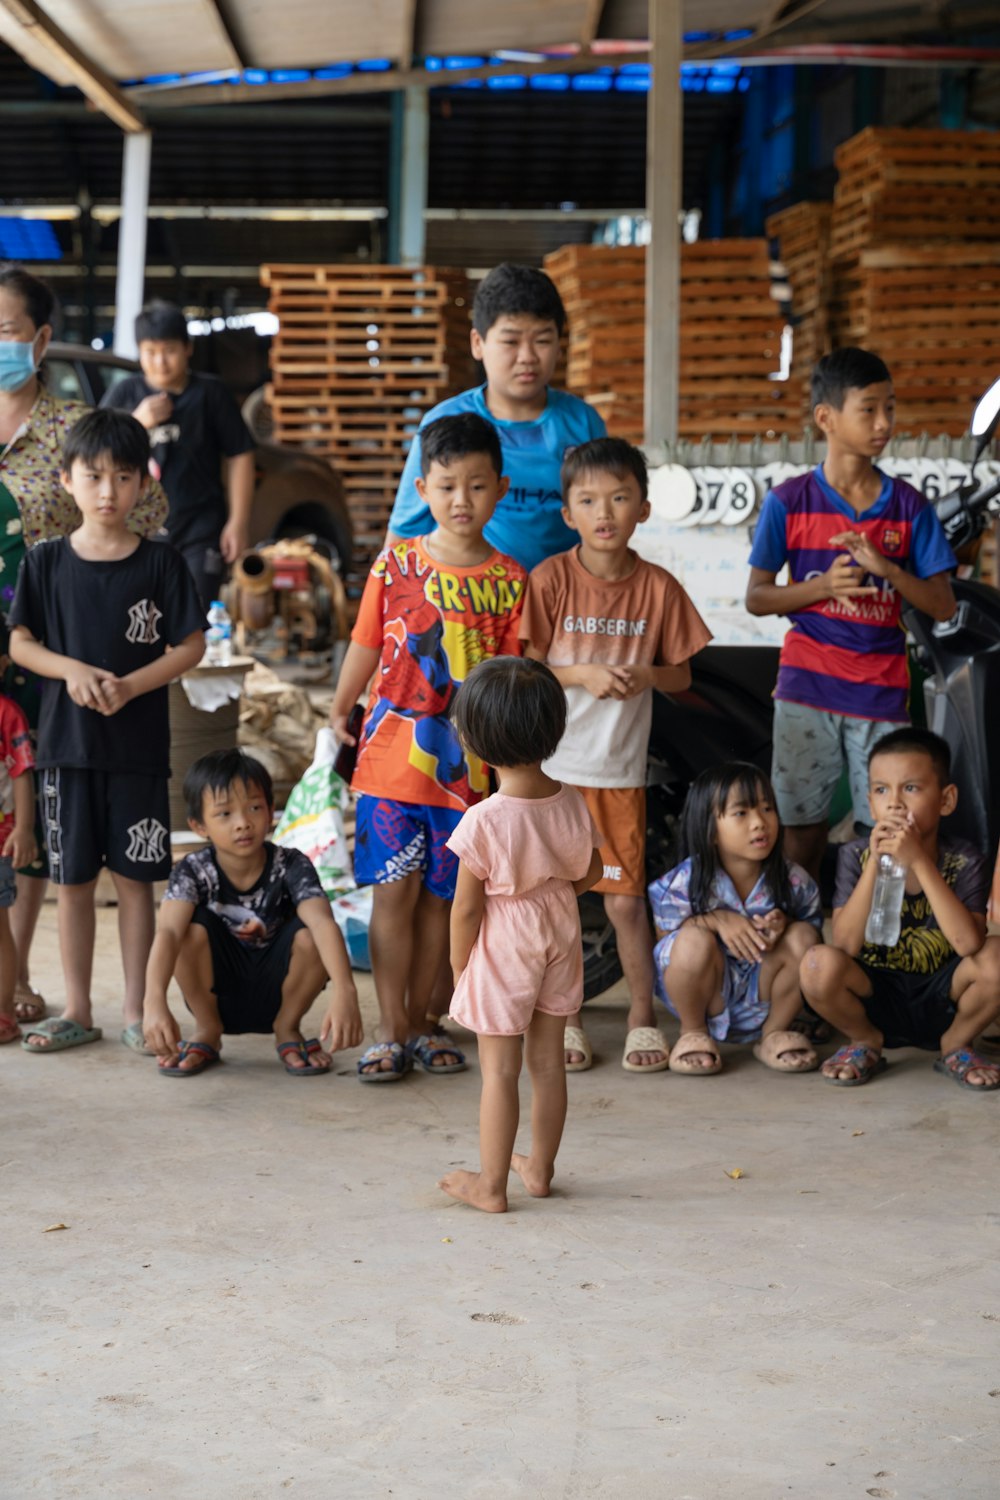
[[858, 545]]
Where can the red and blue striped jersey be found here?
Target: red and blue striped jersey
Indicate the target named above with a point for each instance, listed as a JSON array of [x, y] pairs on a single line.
[[833, 659]]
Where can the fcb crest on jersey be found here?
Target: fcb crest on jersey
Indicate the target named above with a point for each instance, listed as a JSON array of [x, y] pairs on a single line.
[[892, 539]]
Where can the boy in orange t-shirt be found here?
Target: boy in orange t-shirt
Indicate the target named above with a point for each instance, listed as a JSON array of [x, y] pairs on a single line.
[[612, 627], [432, 609]]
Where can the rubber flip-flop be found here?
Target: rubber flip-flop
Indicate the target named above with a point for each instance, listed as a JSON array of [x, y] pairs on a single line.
[[303, 1050], [866, 1060], [62, 1033], [133, 1038], [208, 1054], [397, 1054]]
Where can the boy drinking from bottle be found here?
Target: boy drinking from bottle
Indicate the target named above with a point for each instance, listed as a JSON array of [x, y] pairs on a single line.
[[938, 986]]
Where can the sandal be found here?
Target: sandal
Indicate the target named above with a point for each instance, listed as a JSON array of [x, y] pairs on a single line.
[[133, 1038], [646, 1039], [786, 1052], [303, 1050], [9, 1029], [865, 1060], [689, 1043], [62, 1033], [208, 1057], [957, 1066], [397, 1054], [424, 1049], [577, 1040], [29, 1005]]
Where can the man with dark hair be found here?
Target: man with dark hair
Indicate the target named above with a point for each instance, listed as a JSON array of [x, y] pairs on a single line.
[[194, 424], [517, 322], [858, 544]]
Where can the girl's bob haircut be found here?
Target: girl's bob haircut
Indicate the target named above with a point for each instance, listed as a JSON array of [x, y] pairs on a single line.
[[510, 711], [707, 799]]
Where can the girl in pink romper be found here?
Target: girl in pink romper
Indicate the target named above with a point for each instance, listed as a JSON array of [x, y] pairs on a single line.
[[525, 855]]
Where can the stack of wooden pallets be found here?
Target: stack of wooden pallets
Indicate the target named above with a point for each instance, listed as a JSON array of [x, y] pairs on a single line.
[[915, 247], [361, 354], [802, 233], [730, 337]]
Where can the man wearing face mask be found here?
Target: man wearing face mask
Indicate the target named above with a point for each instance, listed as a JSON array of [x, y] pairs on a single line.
[[33, 507]]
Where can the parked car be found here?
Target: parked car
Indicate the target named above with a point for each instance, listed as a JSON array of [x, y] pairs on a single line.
[[297, 494]]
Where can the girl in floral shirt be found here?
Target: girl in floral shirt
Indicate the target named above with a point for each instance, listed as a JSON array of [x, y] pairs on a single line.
[[734, 920]]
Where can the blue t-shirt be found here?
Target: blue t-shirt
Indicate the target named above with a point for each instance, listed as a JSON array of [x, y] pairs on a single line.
[[527, 524]]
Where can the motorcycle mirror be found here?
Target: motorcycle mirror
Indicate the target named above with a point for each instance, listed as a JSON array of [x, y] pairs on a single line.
[[985, 419]]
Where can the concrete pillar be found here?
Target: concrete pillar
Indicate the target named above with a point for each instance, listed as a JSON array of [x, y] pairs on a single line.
[[131, 279], [408, 170]]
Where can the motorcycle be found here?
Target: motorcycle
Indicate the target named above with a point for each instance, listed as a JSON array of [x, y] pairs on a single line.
[[727, 713]]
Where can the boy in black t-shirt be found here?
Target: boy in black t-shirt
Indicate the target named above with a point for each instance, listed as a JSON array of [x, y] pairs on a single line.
[[97, 612], [938, 987], [193, 424], [248, 932]]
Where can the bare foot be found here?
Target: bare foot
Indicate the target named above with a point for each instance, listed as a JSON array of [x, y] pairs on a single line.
[[468, 1187], [537, 1180]]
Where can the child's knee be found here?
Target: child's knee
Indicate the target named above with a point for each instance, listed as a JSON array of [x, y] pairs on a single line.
[[821, 969], [986, 964], [629, 911], [799, 937], [305, 954], [697, 947]]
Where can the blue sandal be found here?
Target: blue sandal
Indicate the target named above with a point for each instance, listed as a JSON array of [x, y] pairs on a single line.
[[424, 1049], [397, 1054]]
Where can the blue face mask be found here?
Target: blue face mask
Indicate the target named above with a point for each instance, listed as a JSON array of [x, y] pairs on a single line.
[[17, 364]]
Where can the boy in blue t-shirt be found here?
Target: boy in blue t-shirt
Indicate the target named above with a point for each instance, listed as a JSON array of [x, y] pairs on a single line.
[[858, 545], [517, 321]]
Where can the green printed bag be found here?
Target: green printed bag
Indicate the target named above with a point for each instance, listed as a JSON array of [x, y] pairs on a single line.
[[313, 819]]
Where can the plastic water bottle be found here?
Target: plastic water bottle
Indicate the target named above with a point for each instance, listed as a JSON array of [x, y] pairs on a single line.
[[218, 636], [882, 927]]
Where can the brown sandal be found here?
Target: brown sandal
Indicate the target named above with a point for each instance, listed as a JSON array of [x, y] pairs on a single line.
[[779, 1049], [691, 1042]]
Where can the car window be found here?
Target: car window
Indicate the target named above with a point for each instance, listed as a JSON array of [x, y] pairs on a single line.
[[63, 381], [111, 374]]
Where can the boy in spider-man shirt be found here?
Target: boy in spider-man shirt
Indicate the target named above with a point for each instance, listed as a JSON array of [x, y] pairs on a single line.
[[433, 607]]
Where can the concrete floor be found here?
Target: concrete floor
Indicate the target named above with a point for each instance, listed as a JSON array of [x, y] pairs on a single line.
[[260, 1293]]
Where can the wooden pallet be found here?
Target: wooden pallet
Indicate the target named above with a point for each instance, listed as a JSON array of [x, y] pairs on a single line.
[[730, 336], [362, 353]]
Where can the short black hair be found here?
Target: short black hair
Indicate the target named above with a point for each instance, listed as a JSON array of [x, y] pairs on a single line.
[[510, 289], [448, 438], [116, 433], [510, 711], [844, 370], [163, 321], [612, 454], [216, 772], [909, 739], [38, 299]]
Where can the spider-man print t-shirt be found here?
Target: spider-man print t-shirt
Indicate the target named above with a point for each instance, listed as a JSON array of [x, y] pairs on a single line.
[[253, 917], [431, 623], [117, 616]]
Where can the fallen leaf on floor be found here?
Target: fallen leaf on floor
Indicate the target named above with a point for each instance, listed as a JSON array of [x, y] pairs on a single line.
[[735, 1172], [857, 1132], [52, 1227], [446, 1240]]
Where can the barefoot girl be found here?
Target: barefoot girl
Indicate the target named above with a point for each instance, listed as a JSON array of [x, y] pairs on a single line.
[[525, 855], [734, 920]]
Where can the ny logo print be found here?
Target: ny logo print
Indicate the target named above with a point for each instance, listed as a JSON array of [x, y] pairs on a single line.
[[142, 622], [147, 842]]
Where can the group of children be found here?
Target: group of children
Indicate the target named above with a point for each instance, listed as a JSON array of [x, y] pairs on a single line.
[[509, 639]]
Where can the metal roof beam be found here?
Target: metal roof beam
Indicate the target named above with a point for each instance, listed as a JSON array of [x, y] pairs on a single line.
[[99, 88]]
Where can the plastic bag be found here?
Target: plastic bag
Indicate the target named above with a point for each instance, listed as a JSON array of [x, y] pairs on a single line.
[[313, 820]]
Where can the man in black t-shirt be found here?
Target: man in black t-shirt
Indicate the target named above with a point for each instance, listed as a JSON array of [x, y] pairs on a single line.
[[193, 424]]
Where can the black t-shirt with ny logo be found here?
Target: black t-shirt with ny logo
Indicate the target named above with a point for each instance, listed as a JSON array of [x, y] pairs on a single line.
[[117, 615]]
